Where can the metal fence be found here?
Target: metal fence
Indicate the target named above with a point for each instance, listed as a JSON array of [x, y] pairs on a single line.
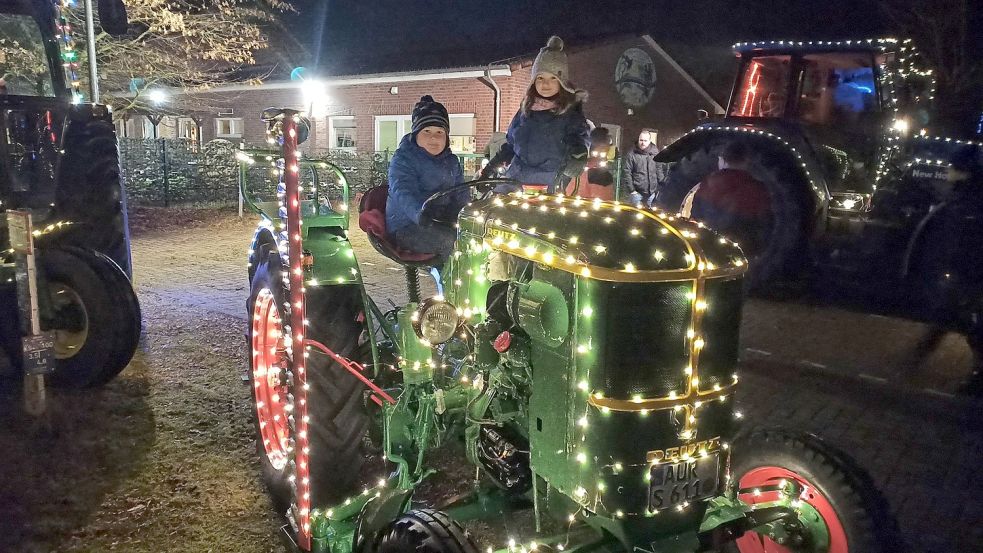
[[169, 172], [176, 172]]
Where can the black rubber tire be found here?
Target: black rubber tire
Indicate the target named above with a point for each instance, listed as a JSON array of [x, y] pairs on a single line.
[[89, 193], [423, 531], [785, 244], [9, 341], [859, 505], [112, 314], [338, 421], [129, 323]]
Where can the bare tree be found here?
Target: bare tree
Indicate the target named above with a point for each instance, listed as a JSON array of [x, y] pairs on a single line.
[[192, 45], [941, 30]]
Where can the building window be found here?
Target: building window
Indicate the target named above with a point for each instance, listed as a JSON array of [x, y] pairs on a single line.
[[149, 129], [462, 133], [390, 130], [228, 127], [342, 133], [187, 128]]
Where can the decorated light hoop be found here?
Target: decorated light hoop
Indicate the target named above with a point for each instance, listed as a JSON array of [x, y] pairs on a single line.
[[290, 202]]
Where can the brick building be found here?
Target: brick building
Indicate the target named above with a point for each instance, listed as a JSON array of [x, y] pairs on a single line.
[[631, 80]]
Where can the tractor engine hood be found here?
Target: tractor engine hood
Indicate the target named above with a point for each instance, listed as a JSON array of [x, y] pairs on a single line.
[[602, 240]]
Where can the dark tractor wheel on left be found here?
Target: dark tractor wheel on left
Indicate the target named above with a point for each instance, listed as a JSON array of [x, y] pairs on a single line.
[[840, 510], [422, 531], [90, 196], [96, 317], [337, 418]]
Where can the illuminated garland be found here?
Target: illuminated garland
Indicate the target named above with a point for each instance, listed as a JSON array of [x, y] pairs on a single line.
[[66, 47]]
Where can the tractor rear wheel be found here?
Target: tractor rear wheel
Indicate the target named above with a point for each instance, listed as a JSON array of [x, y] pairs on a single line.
[[423, 531], [337, 417], [840, 510], [96, 316], [783, 237]]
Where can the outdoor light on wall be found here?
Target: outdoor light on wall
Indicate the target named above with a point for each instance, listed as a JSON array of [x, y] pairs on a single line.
[[315, 97], [394, 90], [157, 96]]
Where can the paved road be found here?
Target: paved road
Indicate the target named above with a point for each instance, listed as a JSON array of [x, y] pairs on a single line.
[[849, 377]]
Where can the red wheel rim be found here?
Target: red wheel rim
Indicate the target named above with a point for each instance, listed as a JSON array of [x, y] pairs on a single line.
[[269, 389], [770, 476]]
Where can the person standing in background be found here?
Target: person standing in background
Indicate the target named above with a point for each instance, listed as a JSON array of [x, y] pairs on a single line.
[[642, 174]]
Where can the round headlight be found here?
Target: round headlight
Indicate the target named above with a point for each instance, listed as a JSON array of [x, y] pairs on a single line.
[[437, 321]]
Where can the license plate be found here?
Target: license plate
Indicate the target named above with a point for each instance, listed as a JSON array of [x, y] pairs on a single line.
[[39, 353], [675, 483]]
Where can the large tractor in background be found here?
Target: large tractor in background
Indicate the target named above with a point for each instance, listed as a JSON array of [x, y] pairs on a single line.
[[839, 135], [574, 369], [67, 307]]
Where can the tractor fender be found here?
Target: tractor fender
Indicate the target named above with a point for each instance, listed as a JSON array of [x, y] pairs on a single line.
[[334, 259], [785, 142]]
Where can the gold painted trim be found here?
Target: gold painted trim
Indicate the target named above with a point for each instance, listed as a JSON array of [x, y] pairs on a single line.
[[605, 273], [656, 404]]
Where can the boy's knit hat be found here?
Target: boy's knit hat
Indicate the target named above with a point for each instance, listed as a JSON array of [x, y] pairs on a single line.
[[553, 60], [429, 113]]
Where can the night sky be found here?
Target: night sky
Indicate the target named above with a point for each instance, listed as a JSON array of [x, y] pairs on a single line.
[[347, 36]]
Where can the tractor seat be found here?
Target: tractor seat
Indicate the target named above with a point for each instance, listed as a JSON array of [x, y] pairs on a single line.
[[372, 219]]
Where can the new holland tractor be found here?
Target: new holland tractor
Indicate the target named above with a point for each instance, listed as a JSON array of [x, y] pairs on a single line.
[[589, 381], [839, 134], [67, 307]]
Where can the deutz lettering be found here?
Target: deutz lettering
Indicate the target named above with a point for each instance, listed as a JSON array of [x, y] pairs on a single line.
[[686, 450]]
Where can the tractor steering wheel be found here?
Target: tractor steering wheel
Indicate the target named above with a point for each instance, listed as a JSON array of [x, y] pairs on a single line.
[[484, 187]]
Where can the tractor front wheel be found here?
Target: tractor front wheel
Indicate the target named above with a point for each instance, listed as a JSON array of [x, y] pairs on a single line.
[[337, 417], [423, 531], [96, 317], [837, 511]]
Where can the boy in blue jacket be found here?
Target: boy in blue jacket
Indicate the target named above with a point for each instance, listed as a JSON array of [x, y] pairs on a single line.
[[422, 166]]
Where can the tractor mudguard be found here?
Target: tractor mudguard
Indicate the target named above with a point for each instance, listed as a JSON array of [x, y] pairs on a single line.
[[334, 259]]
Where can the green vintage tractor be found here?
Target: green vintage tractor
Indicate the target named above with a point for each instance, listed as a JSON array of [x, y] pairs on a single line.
[[581, 352]]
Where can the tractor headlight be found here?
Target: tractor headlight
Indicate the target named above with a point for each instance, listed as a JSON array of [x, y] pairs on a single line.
[[436, 321]]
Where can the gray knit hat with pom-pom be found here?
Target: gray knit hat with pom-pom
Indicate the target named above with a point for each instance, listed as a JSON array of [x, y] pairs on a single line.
[[553, 60]]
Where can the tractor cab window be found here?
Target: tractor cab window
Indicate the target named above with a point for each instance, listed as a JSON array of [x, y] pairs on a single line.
[[23, 64], [837, 88], [763, 88]]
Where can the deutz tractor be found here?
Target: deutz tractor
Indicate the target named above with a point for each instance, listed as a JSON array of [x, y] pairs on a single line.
[[59, 164], [840, 135], [581, 352]]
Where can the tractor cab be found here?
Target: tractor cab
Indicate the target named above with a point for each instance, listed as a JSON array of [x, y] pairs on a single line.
[[843, 96]]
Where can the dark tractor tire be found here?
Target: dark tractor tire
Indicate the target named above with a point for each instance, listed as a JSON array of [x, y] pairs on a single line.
[[10, 351], [423, 531], [853, 512], [89, 194], [783, 247], [129, 320], [337, 418], [97, 317]]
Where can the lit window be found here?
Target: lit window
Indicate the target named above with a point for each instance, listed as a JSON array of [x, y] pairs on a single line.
[[342, 133]]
